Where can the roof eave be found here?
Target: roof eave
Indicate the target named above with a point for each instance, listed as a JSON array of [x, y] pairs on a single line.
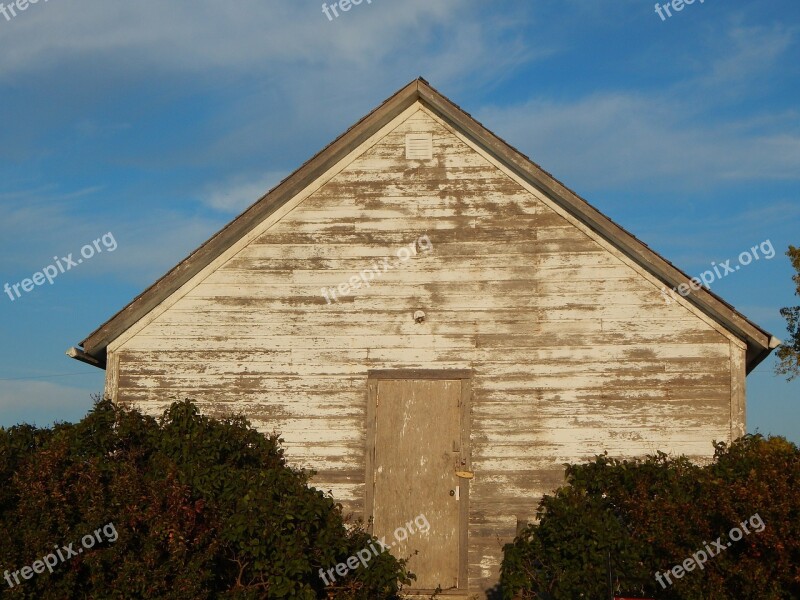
[[97, 341], [757, 340]]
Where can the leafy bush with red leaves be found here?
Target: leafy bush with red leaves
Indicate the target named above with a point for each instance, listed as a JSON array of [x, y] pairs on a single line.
[[638, 518], [203, 509]]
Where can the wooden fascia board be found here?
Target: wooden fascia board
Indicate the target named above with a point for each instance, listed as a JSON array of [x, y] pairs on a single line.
[[757, 339], [98, 340], [95, 344]]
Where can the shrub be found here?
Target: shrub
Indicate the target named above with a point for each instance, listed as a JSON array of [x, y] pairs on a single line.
[[636, 518], [203, 509]]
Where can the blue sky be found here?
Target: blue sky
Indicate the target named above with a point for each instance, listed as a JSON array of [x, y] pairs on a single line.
[[160, 121]]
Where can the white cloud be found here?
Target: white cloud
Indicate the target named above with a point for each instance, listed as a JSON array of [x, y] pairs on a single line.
[[240, 192], [609, 139], [39, 224], [748, 53], [683, 132], [151, 244], [249, 35]]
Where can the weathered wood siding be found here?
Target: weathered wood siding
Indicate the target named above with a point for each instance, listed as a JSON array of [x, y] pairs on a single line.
[[574, 349]]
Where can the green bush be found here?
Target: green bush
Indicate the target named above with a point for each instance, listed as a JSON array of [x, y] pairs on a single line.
[[203, 509], [638, 518]]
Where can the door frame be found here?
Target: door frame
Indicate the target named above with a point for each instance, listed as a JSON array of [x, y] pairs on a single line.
[[465, 376]]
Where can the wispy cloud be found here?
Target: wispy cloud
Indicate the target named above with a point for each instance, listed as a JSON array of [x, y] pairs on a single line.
[[202, 35], [240, 192], [747, 53], [38, 224], [611, 138], [683, 131]]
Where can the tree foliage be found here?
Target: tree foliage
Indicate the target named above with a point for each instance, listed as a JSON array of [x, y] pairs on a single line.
[[789, 353], [645, 516], [203, 508]]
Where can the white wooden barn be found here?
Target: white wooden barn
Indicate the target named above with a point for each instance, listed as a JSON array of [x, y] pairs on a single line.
[[435, 324]]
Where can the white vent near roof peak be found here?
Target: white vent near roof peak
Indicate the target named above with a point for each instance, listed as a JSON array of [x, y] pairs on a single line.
[[419, 146]]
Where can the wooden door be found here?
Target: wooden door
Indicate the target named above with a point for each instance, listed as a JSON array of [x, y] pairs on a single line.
[[418, 502]]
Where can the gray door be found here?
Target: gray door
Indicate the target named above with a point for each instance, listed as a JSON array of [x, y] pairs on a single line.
[[417, 451]]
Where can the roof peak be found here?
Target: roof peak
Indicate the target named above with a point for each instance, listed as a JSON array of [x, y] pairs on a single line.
[[758, 340]]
